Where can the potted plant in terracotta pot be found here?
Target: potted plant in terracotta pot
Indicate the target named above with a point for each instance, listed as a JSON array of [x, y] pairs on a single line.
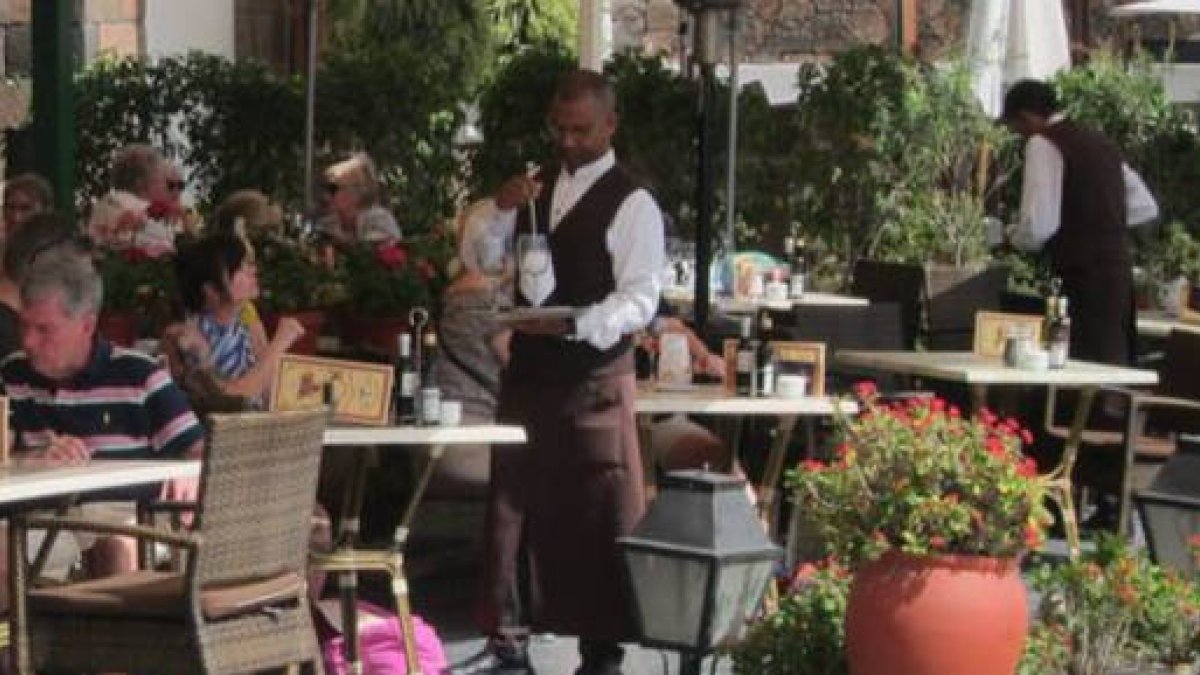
[[293, 284], [138, 292], [383, 282], [934, 510]]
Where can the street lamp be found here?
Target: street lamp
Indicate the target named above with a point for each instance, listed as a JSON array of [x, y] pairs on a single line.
[[706, 29], [697, 564]]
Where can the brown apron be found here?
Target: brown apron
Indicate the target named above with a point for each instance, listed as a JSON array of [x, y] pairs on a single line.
[[566, 496]]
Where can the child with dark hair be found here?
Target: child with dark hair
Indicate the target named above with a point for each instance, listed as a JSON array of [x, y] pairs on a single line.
[[217, 277]]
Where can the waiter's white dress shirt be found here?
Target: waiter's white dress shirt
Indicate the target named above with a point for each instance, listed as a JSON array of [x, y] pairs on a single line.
[[634, 240], [1041, 194]]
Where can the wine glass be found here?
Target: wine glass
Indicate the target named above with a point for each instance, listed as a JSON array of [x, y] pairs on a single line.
[[491, 253], [533, 250]]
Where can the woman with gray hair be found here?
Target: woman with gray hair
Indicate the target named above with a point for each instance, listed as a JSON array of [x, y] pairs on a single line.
[[351, 201]]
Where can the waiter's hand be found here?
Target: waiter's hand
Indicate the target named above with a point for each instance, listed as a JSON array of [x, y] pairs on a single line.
[[517, 191], [65, 448], [543, 327]]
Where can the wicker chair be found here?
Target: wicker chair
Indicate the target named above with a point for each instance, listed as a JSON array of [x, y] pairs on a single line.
[[1121, 461], [241, 603]]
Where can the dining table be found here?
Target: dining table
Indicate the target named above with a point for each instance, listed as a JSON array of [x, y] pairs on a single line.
[[980, 373], [348, 557], [1159, 324], [27, 484], [684, 298], [716, 401]]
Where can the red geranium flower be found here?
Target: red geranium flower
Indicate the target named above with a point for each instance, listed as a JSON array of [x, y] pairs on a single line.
[[391, 256]]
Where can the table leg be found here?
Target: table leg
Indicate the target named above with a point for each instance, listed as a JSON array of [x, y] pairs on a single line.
[[1058, 481], [399, 577], [979, 397], [649, 476], [773, 472], [18, 634], [347, 540]]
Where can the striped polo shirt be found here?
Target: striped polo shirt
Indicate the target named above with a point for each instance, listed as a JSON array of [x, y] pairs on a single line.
[[122, 406]]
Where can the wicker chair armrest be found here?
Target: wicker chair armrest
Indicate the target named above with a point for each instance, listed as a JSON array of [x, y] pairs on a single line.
[[189, 540]]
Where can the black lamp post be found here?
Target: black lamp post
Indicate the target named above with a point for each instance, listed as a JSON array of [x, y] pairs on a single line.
[[697, 565], [706, 23]]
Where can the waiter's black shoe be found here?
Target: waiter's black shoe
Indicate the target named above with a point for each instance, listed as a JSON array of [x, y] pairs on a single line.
[[497, 658], [600, 658]]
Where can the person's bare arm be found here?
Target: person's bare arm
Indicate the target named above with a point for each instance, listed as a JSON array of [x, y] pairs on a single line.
[[256, 381]]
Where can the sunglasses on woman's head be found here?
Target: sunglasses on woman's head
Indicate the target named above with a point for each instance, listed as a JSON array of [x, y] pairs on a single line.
[[332, 188]]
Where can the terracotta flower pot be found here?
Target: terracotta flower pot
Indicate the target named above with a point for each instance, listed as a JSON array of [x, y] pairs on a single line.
[[911, 615], [372, 334]]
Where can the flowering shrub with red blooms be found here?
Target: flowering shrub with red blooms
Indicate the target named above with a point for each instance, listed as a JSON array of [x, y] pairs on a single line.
[[920, 477], [388, 279], [805, 635], [1112, 608]]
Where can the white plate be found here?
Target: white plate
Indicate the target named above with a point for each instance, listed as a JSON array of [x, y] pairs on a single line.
[[535, 314]]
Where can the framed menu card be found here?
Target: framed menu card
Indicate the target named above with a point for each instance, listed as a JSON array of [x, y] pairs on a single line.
[[795, 359], [993, 328], [361, 392]]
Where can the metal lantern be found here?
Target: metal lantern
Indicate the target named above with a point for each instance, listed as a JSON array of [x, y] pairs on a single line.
[[697, 564]]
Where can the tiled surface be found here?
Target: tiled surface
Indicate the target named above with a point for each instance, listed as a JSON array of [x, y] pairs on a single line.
[[444, 564]]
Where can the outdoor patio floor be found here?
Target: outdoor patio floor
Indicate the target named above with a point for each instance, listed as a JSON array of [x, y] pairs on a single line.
[[444, 566]]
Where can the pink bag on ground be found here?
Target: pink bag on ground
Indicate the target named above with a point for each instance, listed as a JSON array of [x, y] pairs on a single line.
[[380, 642]]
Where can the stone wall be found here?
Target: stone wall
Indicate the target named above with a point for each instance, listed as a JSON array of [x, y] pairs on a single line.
[[791, 30], [100, 26]]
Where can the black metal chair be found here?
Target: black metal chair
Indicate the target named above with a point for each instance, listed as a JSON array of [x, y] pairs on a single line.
[[952, 301], [1170, 522], [897, 283], [874, 326]]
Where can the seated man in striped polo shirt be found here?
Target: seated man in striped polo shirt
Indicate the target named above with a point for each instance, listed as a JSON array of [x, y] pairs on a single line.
[[73, 395]]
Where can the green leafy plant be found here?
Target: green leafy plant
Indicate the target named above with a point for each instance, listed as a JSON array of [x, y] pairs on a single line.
[[290, 278], [1175, 253], [919, 477], [1113, 608], [137, 283], [889, 153], [805, 634]]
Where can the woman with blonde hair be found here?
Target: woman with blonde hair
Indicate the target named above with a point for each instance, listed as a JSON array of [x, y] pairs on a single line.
[[351, 202]]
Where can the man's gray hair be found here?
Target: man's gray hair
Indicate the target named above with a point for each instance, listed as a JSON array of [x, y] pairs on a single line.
[[67, 272], [133, 166]]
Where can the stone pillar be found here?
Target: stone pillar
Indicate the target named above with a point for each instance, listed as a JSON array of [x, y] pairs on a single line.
[[595, 33]]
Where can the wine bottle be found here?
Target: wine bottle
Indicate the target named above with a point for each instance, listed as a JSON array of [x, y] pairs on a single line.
[[799, 261], [1059, 344], [764, 361], [1051, 310], [404, 392], [430, 395], [744, 382]]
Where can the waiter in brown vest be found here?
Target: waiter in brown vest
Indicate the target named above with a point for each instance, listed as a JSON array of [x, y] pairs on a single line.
[[1078, 198], [558, 503]]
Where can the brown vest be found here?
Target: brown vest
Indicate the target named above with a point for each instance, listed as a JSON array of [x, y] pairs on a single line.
[[583, 274], [1093, 216]]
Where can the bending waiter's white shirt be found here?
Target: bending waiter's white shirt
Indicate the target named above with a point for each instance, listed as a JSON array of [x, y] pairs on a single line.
[[1041, 195], [634, 240]]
